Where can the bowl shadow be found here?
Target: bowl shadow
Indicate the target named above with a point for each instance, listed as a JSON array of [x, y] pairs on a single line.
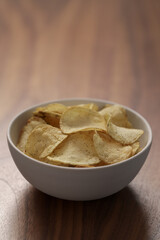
[[120, 216]]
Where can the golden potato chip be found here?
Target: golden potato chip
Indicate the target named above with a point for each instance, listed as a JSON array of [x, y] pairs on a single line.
[[53, 107], [123, 135], [118, 115], [109, 150], [43, 140], [52, 119], [91, 106], [77, 119], [95, 138], [76, 150], [31, 124], [135, 148], [107, 105], [51, 113]]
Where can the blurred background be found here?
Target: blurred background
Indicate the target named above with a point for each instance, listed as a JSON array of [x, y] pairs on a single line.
[[79, 48]]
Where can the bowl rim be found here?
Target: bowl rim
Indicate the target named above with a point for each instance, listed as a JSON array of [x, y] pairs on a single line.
[[65, 100]]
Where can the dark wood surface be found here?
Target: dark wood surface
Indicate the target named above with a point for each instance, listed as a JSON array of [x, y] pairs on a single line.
[[61, 49]]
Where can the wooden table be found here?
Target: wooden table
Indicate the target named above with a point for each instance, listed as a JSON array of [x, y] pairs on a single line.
[[62, 49]]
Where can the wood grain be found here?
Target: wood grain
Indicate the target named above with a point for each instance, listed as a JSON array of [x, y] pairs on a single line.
[[62, 49]]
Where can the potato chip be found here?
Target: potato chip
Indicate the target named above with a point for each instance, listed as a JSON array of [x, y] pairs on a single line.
[[51, 108], [91, 106], [52, 119], [43, 140], [76, 150], [123, 135], [51, 113], [135, 148], [107, 105], [109, 150], [118, 115], [31, 124], [77, 119], [80, 135]]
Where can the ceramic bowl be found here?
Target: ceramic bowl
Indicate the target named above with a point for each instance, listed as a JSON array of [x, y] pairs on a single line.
[[78, 183]]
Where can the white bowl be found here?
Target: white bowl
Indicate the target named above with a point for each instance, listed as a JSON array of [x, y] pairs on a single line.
[[78, 183]]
